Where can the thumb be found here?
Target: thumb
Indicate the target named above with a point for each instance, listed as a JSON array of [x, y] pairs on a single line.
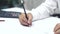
[[30, 19]]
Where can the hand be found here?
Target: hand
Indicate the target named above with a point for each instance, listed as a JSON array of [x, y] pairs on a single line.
[[23, 20], [57, 29]]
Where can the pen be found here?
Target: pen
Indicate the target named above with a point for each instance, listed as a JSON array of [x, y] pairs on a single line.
[[25, 11], [25, 14]]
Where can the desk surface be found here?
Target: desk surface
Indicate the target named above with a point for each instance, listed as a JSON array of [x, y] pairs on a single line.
[[13, 26]]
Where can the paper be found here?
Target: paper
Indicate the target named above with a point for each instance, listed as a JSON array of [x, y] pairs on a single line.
[[14, 9], [13, 26]]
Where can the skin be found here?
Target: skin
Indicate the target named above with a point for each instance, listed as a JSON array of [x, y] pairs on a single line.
[[28, 22], [57, 29], [24, 21]]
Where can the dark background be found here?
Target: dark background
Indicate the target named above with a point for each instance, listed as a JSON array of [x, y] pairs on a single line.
[[10, 3]]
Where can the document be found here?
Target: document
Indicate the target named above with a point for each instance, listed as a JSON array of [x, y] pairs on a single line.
[[13, 26]]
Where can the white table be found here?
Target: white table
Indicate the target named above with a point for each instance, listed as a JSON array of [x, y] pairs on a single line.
[[13, 26]]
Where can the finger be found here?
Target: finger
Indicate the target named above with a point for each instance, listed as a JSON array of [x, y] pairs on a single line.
[[23, 20], [57, 32], [22, 16], [30, 19], [57, 27], [24, 23]]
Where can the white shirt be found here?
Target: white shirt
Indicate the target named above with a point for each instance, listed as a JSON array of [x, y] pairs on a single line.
[[46, 9]]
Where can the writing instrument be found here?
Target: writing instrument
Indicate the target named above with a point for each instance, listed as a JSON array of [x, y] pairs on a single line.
[[25, 14], [25, 11]]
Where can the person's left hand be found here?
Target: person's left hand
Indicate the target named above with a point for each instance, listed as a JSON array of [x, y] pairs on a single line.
[[57, 29]]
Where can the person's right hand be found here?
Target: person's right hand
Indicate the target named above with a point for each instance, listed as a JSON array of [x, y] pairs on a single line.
[[23, 20]]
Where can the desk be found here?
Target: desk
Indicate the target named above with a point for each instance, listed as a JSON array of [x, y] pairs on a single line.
[[13, 26]]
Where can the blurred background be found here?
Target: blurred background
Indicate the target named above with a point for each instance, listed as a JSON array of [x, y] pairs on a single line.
[[10, 3], [29, 4]]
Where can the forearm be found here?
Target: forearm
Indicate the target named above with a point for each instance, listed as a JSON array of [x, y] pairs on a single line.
[[44, 10], [40, 12]]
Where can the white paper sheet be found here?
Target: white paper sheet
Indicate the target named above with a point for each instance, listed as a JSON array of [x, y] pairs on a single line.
[[13, 26], [14, 9]]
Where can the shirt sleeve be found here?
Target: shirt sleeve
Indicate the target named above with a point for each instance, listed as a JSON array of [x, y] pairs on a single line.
[[44, 10]]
